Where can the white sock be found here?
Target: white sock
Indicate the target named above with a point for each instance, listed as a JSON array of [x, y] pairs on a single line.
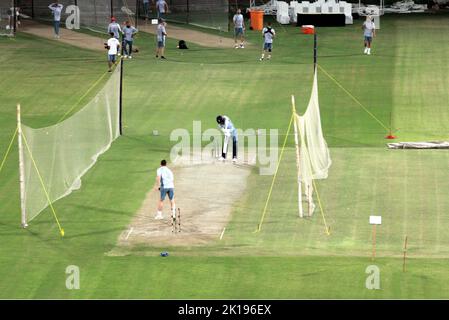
[[263, 55], [159, 213], [269, 56], [173, 211]]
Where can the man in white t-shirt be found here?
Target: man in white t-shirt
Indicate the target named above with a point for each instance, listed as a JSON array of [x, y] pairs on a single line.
[[369, 32], [161, 34], [161, 8], [165, 184], [113, 46], [268, 34], [56, 9], [239, 29]]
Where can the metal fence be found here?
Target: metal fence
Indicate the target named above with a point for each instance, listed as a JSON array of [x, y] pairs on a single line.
[[204, 13], [96, 14], [7, 17]]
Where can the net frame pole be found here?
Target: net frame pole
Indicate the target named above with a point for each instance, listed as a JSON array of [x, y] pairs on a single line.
[[14, 18], [121, 96], [315, 49], [298, 166], [21, 170], [137, 12], [112, 8]]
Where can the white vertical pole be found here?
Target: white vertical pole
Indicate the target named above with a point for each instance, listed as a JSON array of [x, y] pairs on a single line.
[[21, 169], [298, 178]]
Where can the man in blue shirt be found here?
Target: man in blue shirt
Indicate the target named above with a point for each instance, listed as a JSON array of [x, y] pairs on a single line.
[[128, 33]]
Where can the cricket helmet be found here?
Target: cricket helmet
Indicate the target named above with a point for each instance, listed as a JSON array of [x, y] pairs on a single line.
[[220, 120]]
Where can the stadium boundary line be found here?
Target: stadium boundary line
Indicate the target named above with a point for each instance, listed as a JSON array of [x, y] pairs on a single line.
[[353, 98]]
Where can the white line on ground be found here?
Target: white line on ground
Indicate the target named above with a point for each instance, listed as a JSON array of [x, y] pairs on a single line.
[[129, 233], [222, 233]]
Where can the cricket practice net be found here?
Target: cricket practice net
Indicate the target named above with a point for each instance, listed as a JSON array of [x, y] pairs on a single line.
[[312, 153], [93, 14], [6, 18], [53, 159], [213, 14]]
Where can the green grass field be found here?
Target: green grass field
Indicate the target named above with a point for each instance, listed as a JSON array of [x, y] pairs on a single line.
[[406, 79]]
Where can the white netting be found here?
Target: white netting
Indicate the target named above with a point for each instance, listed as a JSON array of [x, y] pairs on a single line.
[[312, 151], [64, 152]]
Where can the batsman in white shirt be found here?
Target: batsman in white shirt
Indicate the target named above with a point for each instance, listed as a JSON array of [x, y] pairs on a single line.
[[229, 131]]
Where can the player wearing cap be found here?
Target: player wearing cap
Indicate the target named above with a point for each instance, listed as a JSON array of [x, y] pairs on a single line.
[[228, 129]]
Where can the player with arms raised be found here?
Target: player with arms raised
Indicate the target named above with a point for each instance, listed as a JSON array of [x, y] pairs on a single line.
[[268, 34]]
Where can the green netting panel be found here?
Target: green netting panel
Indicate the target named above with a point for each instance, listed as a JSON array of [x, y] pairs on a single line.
[[6, 18], [204, 13]]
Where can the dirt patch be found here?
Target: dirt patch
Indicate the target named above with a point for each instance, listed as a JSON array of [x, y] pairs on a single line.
[[204, 192], [70, 37], [86, 41], [198, 37]]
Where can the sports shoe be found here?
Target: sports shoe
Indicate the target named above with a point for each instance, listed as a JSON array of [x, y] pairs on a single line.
[[369, 52], [222, 159], [234, 160], [366, 51], [162, 57], [261, 59], [242, 46], [236, 46], [130, 57], [125, 56], [159, 217]]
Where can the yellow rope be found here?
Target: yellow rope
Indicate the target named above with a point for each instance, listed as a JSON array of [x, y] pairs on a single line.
[[259, 227], [9, 149], [83, 96], [61, 230], [354, 98]]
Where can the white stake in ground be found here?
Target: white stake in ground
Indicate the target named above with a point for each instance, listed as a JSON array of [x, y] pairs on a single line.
[[21, 170]]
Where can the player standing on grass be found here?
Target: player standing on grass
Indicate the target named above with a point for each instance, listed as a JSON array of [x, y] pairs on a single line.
[[113, 46], [228, 129], [114, 27], [268, 34], [56, 9], [161, 34], [165, 183], [369, 33], [239, 29], [128, 31]]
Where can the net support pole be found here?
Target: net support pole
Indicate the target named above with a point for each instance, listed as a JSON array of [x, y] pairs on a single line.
[[137, 12], [298, 167], [21, 170], [14, 17], [112, 8], [315, 48], [121, 96]]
